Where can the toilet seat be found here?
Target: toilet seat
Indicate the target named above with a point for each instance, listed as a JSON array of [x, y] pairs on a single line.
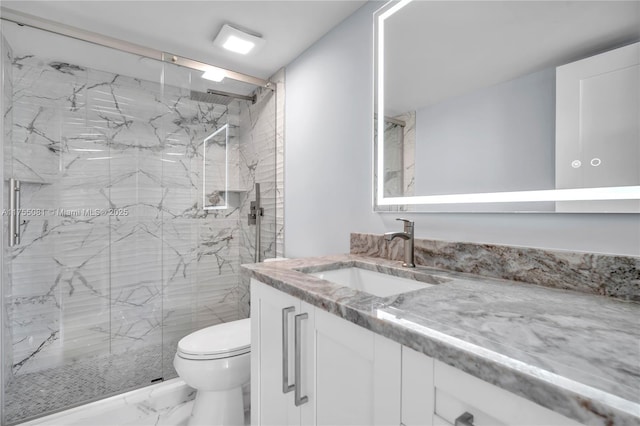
[[218, 341]]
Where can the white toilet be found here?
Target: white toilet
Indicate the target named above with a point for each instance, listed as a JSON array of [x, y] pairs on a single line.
[[216, 362]]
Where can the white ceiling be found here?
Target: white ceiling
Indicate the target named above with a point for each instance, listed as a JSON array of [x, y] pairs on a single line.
[[187, 28], [435, 50]]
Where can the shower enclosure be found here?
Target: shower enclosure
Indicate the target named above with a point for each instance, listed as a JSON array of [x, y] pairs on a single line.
[[135, 181]]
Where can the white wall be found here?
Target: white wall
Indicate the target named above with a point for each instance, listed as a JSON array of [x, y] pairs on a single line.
[[328, 169]]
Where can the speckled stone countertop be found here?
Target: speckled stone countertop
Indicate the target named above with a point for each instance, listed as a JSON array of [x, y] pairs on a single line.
[[574, 353]]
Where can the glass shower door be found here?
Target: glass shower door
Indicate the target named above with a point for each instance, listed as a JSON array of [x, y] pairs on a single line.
[[82, 288], [118, 258]]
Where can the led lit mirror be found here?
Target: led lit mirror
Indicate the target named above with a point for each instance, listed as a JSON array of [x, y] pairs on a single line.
[[215, 170], [507, 106]]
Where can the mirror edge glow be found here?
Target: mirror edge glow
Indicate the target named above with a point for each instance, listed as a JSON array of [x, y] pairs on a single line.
[[579, 194], [381, 14]]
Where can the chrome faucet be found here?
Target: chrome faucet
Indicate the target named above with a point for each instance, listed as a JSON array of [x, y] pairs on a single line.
[[407, 235]]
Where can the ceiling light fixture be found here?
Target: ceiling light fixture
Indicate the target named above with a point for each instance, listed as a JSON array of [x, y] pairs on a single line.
[[214, 74], [237, 41]]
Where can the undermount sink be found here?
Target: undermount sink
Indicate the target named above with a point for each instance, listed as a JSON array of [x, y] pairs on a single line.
[[376, 283]]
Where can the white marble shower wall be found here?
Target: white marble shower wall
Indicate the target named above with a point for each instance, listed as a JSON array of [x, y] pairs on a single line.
[[121, 257], [279, 80], [399, 155], [399, 159], [261, 158]]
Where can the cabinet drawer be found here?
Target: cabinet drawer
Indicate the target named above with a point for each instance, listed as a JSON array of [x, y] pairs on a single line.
[[457, 392]]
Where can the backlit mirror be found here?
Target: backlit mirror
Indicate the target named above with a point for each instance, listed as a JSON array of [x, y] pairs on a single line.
[[507, 106]]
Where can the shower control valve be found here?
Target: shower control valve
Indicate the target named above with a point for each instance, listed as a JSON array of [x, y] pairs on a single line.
[[253, 213]]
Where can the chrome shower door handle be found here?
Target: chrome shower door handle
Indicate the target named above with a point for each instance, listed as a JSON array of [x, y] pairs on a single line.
[[18, 218], [286, 387], [14, 212], [299, 399]]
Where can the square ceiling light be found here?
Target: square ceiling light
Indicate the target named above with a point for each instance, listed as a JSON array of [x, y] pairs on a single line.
[[237, 41], [215, 74]]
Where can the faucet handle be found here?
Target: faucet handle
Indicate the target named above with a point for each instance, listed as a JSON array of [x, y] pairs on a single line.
[[408, 224]]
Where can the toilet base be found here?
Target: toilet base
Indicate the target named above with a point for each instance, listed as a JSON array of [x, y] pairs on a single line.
[[218, 408]]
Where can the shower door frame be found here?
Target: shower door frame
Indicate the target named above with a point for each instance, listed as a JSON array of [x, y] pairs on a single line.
[[32, 21], [28, 20]]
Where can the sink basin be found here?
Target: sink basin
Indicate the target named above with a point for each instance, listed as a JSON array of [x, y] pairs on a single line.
[[376, 283]]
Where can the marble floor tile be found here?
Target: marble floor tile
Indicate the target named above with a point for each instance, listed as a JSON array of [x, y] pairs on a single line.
[[164, 404]]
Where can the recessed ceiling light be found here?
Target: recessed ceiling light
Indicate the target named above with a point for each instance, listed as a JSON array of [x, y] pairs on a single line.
[[238, 45], [237, 41], [214, 74]]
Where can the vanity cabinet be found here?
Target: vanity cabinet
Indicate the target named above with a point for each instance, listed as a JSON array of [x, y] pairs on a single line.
[[348, 374], [276, 318], [352, 376]]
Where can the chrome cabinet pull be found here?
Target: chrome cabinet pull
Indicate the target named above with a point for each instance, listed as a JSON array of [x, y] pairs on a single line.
[[465, 419], [286, 387], [299, 400]]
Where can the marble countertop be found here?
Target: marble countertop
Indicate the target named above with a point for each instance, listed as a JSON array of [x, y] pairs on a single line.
[[574, 353]]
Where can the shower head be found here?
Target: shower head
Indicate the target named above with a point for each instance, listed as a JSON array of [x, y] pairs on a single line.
[[211, 98], [218, 97]]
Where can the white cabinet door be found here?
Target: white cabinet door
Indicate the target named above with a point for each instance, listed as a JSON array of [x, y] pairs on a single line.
[[273, 318], [357, 374], [598, 126], [417, 388]]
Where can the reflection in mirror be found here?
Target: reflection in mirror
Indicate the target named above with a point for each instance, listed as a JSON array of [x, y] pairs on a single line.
[[508, 106], [215, 170]]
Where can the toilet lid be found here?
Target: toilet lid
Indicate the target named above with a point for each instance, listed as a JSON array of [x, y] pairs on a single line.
[[221, 340]]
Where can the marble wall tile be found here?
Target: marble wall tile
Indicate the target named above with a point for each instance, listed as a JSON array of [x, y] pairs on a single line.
[[393, 159], [408, 152], [279, 80], [399, 160], [606, 275]]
